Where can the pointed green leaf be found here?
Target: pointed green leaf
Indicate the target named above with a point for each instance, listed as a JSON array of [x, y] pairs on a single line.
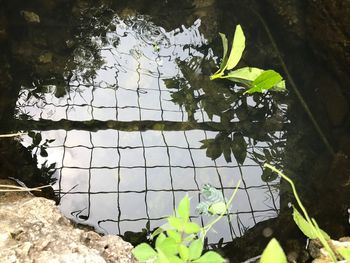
[[157, 232], [144, 252], [175, 223], [191, 228], [225, 48], [307, 228], [165, 258], [265, 81], [246, 73], [195, 249], [273, 253], [168, 246], [210, 257], [183, 252], [344, 252], [160, 239], [174, 235], [238, 46], [184, 208]]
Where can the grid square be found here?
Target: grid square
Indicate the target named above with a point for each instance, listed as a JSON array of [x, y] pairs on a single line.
[[194, 137], [131, 157], [157, 157], [104, 97], [130, 139], [132, 179], [127, 98], [74, 180], [183, 178], [106, 138], [180, 157], [104, 180], [128, 114], [160, 204], [151, 115], [175, 138], [132, 205], [158, 178], [208, 175], [77, 157], [78, 137], [104, 114], [153, 138], [150, 99], [103, 206], [79, 113], [105, 157]]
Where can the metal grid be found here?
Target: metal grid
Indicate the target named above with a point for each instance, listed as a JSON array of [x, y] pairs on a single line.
[[120, 180]]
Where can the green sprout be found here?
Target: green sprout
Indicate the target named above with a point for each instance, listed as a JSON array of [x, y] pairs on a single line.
[[181, 240]]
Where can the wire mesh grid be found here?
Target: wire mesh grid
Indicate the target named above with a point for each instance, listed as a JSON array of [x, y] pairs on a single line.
[[120, 180]]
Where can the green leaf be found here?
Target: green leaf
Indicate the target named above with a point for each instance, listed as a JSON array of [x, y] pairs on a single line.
[[217, 208], [157, 232], [246, 73], [176, 223], [238, 46], [307, 228], [144, 252], [191, 228], [168, 246], [210, 257], [344, 252], [160, 239], [195, 249], [265, 81], [184, 208], [225, 48], [174, 235], [273, 253], [184, 252], [165, 258]]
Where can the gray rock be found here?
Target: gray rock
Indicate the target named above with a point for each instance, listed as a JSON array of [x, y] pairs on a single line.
[[32, 229]]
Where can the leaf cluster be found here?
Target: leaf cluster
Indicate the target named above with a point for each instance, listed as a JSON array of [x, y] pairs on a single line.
[[254, 79]]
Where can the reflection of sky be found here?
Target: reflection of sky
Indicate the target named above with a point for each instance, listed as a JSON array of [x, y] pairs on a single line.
[[121, 179]]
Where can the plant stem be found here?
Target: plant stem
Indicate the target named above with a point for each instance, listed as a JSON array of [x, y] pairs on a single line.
[[210, 225]]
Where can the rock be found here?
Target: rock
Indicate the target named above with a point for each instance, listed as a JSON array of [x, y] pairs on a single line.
[[30, 17], [32, 229]]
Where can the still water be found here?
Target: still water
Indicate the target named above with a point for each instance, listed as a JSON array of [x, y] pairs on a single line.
[[132, 122]]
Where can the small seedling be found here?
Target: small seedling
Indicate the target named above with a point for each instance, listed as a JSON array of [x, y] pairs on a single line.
[[181, 240]]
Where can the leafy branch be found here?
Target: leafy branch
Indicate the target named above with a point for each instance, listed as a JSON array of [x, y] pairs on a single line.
[[254, 79]]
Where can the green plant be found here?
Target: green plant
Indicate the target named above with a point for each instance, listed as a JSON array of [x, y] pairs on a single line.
[[307, 225], [254, 79], [181, 240]]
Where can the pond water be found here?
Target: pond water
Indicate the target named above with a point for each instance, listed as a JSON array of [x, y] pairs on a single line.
[[133, 123]]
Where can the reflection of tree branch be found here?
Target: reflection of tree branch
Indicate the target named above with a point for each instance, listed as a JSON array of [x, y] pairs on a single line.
[[93, 125]]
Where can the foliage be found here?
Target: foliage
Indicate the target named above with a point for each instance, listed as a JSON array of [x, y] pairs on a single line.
[[181, 240], [308, 226], [255, 79], [273, 253], [214, 201]]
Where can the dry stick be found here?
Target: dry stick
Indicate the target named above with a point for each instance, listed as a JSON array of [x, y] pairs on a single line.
[[12, 135], [14, 188]]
